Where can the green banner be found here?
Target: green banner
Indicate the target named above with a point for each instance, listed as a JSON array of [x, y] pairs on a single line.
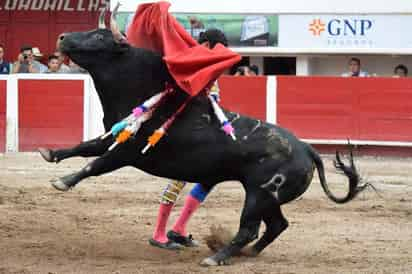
[[240, 30]]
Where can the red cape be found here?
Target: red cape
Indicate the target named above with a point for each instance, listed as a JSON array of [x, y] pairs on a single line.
[[192, 66]]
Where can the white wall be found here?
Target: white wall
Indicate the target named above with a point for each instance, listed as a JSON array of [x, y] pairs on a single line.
[[281, 6], [303, 65], [94, 118], [382, 65]]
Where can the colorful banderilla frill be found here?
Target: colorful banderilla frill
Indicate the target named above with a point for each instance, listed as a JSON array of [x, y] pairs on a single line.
[[131, 129], [161, 131], [129, 126], [213, 98], [226, 125]]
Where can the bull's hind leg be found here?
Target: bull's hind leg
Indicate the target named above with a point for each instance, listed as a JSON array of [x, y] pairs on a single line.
[[92, 148], [108, 162], [248, 231], [275, 224]]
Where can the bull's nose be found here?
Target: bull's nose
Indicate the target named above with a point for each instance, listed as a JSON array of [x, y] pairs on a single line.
[[61, 36]]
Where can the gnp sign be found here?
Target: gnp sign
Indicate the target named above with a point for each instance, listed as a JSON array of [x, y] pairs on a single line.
[[345, 27], [344, 31], [54, 5]]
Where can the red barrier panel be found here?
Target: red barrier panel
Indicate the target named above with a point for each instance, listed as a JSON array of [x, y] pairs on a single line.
[[3, 98], [316, 108], [338, 108], [385, 109], [246, 95], [327, 108], [50, 113]]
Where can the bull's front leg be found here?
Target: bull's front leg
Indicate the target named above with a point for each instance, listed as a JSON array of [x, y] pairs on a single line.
[[92, 148], [108, 162], [248, 231]]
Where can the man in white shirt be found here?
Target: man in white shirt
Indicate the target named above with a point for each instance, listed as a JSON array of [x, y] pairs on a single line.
[[355, 69]]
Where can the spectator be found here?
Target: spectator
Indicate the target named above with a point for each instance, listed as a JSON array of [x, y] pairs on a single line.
[[37, 56], [254, 70], [400, 71], [247, 71], [4, 66], [355, 69], [63, 68], [53, 64], [240, 71], [25, 62]]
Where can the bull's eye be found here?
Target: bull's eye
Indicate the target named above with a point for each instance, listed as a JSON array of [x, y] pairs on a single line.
[[98, 36]]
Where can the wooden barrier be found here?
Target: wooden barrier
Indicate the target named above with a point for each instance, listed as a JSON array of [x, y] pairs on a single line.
[[62, 110]]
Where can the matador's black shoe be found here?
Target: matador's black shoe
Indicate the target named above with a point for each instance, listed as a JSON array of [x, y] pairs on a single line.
[[180, 239], [171, 245]]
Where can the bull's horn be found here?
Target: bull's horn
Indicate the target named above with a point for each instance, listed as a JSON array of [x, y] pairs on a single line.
[[102, 25], [118, 36]]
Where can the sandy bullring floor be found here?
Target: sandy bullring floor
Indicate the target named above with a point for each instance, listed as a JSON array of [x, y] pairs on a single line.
[[102, 226]]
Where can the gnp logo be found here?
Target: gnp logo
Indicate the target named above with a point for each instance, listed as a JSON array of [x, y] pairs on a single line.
[[341, 27]]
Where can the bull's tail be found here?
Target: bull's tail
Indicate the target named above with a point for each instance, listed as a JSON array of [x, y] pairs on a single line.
[[348, 170]]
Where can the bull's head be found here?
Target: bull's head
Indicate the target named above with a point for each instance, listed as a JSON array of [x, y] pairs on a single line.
[[87, 48]]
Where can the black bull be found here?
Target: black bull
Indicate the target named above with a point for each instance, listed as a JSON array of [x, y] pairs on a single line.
[[273, 166]]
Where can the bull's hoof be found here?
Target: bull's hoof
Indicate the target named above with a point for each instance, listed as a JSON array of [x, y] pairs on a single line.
[[59, 185], [211, 261], [48, 155], [66, 182]]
